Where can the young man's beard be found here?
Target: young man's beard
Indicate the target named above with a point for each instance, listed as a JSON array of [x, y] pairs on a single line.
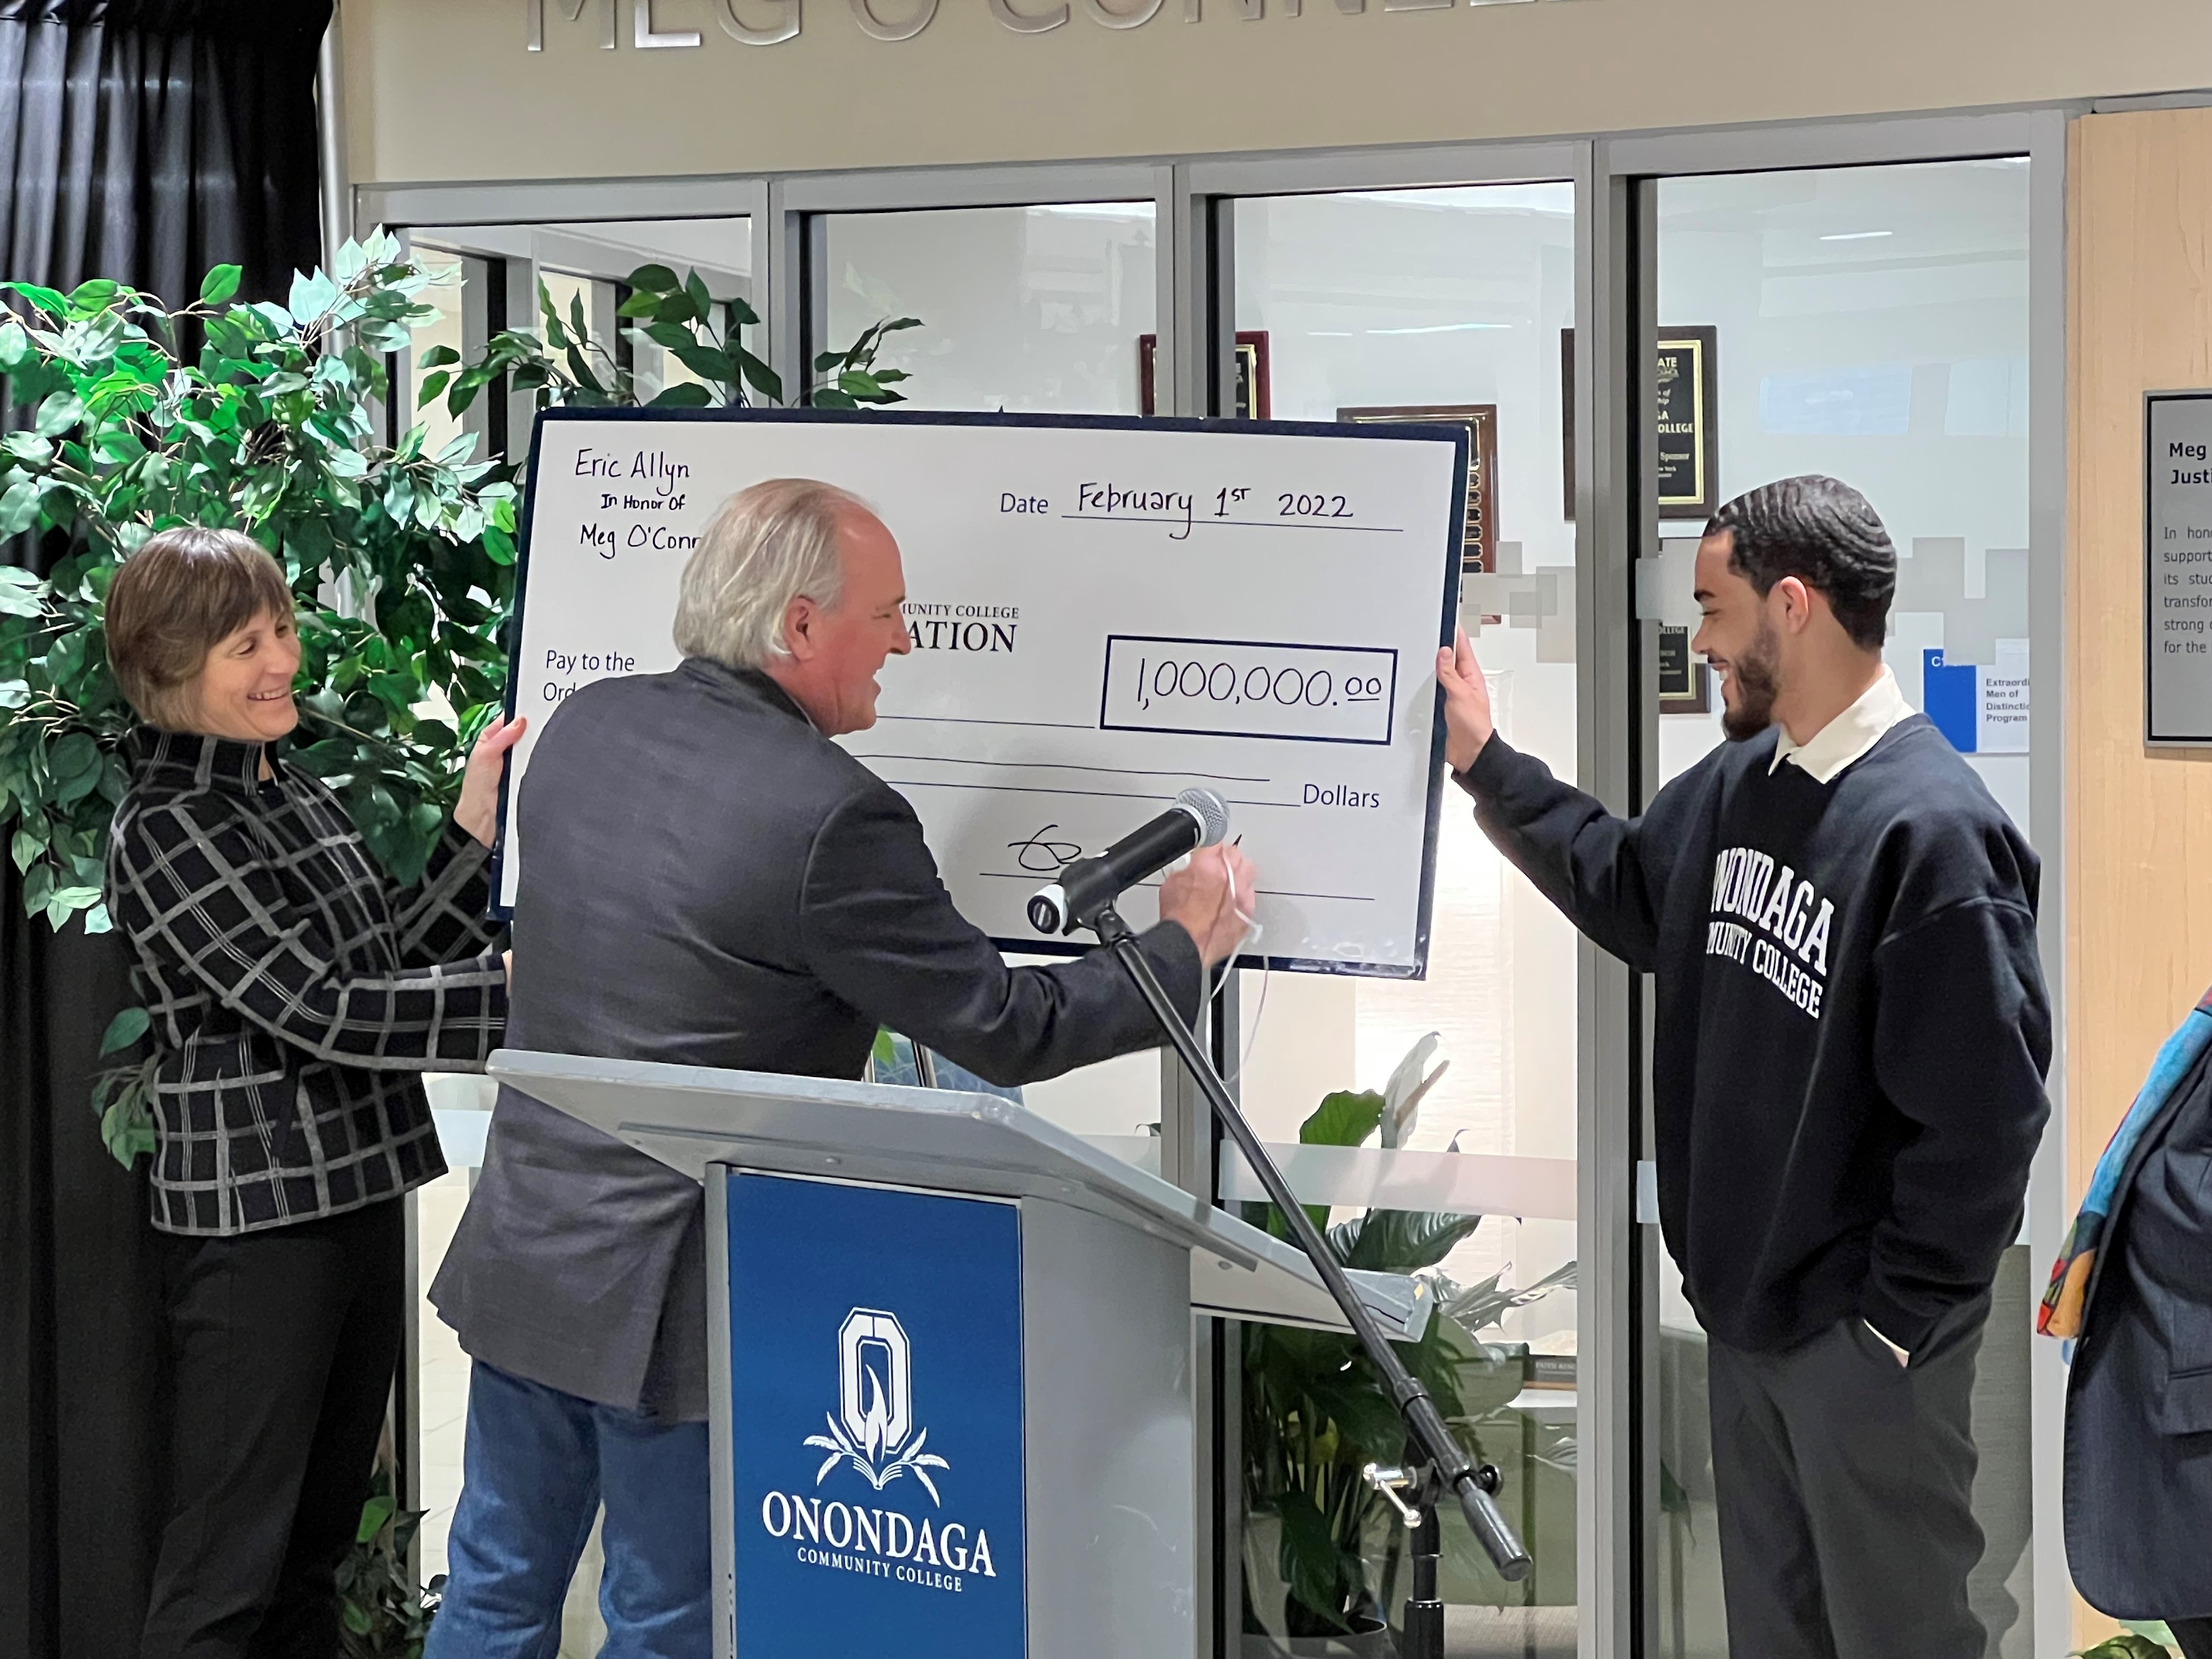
[[1754, 677]]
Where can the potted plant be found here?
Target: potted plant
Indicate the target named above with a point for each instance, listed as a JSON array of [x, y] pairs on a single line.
[[1315, 1413]]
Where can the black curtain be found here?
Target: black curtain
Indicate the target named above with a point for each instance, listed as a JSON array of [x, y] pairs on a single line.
[[142, 142]]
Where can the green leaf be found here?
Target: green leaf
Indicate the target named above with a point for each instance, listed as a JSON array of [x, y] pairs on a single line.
[[653, 279], [77, 788], [1343, 1119], [696, 288], [44, 298], [375, 1514], [313, 296], [1399, 1240], [21, 592], [759, 376], [684, 394], [95, 295], [28, 447], [60, 413], [126, 1130], [220, 286], [15, 347], [707, 362], [125, 1028], [19, 511], [826, 397], [67, 901], [116, 446], [1320, 1573], [13, 694]]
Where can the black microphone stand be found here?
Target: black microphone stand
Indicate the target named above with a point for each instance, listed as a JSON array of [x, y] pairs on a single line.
[[1454, 1470]]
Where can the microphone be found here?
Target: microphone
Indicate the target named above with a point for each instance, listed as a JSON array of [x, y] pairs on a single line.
[[1199, 818]]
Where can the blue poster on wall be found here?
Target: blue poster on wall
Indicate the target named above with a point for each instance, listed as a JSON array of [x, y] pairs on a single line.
[[876, 1434]]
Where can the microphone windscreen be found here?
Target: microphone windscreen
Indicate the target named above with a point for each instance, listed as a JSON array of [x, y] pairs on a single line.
[[1211, 812]]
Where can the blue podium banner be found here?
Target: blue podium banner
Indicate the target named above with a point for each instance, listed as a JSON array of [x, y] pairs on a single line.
[[875, 1370]]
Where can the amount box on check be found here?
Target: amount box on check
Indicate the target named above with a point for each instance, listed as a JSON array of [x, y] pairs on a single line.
[[1248, 689]]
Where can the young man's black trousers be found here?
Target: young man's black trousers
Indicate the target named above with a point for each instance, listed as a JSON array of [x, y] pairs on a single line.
[[1845, 1482]]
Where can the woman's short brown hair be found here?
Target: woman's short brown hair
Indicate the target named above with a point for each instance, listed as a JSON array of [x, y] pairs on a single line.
[[181, 594]]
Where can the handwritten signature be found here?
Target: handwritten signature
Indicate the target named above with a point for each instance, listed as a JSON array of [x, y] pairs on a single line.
[[1044, 857]]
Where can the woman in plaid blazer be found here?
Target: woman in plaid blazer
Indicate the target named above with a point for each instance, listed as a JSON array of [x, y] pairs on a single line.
[[297, 998]]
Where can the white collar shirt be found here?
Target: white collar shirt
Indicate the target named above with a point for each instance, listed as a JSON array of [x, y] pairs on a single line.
[[1845, 740]]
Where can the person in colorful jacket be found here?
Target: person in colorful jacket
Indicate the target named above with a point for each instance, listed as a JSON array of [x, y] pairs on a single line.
[[2132, 1296], [297, 997]]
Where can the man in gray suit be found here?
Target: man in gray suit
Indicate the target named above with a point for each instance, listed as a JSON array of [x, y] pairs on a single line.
[[712, 882]]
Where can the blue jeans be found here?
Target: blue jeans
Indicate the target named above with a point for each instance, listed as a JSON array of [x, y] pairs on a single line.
[[537, 1465]]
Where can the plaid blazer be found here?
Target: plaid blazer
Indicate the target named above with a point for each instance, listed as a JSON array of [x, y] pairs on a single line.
[[295, 995]]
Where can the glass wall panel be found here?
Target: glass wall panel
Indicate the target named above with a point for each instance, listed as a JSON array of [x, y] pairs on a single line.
[[1027, 310], [1032, 310], [1871, 323], [1444, 304]]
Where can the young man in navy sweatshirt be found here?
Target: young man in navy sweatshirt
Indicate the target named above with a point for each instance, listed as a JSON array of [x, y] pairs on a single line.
[[1848, 1062]]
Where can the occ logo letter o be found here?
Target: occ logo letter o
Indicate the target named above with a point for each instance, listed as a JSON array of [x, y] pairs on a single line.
[[875, 1380]]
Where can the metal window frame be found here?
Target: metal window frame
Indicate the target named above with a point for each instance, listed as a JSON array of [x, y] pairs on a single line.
[[2039, 133], [1613, 177]]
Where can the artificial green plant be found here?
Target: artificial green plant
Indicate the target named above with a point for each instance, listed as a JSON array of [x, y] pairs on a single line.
[[131, 416], [1314, 1411]]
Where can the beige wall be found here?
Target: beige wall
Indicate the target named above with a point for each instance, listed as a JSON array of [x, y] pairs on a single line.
[[443, 89], [2139, 822]]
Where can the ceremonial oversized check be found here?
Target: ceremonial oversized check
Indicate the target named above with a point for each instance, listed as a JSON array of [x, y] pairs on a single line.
[[1102, 611]]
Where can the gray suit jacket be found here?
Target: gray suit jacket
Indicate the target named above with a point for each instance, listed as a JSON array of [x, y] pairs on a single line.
[[711, 882]]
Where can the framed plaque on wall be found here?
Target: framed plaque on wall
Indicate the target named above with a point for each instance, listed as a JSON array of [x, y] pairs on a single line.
[[1479, 553], [1686, 683], [1254, 398], [1687, 385]]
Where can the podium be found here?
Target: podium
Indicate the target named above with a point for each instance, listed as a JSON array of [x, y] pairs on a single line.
[[951, 1351]]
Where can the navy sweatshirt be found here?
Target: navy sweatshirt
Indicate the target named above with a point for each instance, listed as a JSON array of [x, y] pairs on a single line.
[[1851, 1032]]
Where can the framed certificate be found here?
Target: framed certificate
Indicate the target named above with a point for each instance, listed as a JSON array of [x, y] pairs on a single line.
[[1688, 428], [1479, 553], [1255, 394], [1686, 684]]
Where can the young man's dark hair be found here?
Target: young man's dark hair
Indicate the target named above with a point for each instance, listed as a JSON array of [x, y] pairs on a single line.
[[1825, 533]]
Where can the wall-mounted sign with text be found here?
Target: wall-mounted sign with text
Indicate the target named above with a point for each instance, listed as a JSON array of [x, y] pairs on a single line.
[[771, 23], [2177, 568]]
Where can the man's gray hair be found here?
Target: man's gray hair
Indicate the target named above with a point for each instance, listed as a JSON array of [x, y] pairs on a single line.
[[769, 543]]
